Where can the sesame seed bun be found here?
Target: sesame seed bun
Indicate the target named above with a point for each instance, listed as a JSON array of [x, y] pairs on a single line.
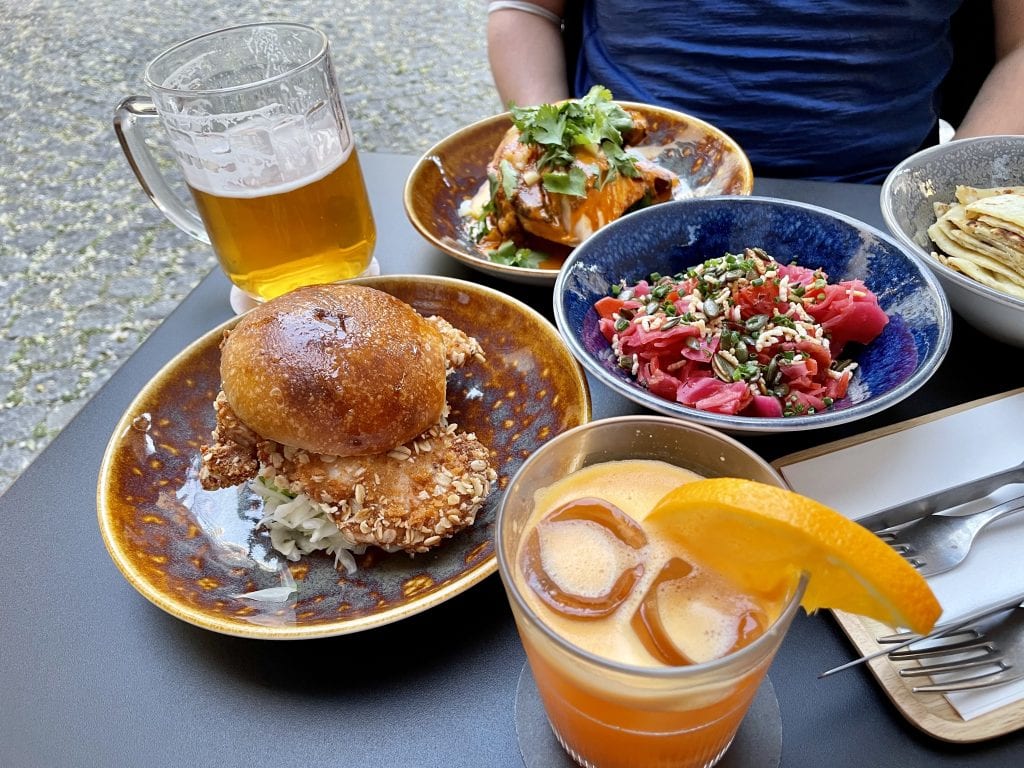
[[337, 369]]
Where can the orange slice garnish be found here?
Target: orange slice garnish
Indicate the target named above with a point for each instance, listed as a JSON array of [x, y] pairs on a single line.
[[760, 534]]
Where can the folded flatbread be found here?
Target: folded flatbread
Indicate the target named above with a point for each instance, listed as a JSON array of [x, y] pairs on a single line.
[[982, 236], [966, 195]]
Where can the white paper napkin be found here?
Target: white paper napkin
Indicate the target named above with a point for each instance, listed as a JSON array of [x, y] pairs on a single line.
[[878, 473]]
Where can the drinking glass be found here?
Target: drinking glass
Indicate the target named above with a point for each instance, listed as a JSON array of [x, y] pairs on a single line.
[[609, 714], [253, 115]]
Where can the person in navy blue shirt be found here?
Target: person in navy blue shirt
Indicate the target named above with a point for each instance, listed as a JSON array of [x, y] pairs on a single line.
[[838, 90]]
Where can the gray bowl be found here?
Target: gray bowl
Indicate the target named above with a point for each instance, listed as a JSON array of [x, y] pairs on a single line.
[[932, 175]]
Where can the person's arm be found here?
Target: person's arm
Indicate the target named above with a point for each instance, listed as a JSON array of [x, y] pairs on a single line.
[[999, 106], [526, 54]]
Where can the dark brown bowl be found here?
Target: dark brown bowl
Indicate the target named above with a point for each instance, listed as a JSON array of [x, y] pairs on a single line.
[[191, 552], [707, 160]]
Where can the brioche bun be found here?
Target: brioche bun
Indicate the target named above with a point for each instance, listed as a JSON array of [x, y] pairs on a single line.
[[343, 370]]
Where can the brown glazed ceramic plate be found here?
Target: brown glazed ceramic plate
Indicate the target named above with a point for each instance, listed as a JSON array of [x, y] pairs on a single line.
[[191, 552], [707, 160]]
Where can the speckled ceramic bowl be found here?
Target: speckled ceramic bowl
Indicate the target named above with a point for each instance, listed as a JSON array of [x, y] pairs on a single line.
[[671, 237], [452, 171], [932, 175], [192, 552]]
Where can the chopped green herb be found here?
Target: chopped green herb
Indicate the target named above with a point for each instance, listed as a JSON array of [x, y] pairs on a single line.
[[593, 121], [509, 179], [571, 182], [508, 254]]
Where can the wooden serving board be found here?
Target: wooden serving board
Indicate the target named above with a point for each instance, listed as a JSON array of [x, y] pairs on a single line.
[[931, 713]]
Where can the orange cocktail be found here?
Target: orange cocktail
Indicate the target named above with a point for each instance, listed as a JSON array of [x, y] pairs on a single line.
[[642, 655]]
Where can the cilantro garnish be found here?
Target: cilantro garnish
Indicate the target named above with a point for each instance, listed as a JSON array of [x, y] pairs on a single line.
[[508, 178], [572, 182], [593, 121], [507, 253]]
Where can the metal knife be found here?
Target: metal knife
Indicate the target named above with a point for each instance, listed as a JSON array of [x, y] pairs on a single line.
[[941, 500]]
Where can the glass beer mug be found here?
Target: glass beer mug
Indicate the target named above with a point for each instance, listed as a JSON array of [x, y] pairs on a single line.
[[255, 120]]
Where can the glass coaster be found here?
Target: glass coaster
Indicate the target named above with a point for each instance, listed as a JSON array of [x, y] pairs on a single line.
[[242, 302], [758, 741]]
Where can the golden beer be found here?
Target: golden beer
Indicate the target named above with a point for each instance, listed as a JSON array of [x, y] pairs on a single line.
[[316, 230], [254, 116]]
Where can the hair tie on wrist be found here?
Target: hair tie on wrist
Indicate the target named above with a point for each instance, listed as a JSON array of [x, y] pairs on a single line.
[[516, 5]]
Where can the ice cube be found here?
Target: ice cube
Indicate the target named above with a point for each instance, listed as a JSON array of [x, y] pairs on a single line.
[[691, 615], [583, 559]]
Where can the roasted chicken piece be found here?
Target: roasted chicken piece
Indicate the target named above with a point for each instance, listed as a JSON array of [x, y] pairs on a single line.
[[567, 218]]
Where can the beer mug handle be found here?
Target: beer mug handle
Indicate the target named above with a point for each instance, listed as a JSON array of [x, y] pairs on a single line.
[[127, 117]]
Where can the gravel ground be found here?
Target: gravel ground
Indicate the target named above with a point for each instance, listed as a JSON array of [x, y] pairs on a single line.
[[88, 266]]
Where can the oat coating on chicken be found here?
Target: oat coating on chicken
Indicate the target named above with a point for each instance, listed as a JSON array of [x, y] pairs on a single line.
[[231, 458], [408, 499], [459, 347]]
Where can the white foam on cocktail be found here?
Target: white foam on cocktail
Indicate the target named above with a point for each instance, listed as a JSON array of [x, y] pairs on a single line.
[[582, 557], [702, 614]]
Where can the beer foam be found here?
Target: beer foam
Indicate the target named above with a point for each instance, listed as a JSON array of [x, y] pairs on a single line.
[[248, 193], [262, 157], [582, 557]]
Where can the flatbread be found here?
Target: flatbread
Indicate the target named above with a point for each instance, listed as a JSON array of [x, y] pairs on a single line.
[[981, 235], [983, 269], [976, 266], [1002, 224], [972, 269], [978, 237], [966, 195], [998, 236], [1008, 208], [950, 249]]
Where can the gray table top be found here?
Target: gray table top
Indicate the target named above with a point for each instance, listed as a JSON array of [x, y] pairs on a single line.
[[91, 674]]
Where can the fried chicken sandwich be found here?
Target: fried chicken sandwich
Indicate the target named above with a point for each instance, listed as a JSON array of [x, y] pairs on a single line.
[[333, 408]]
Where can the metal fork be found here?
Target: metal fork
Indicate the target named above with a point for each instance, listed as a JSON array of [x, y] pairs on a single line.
[[938, 543], [979, 656], [947, 629]]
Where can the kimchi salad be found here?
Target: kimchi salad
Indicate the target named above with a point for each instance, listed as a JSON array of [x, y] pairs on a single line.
[[741, 334]]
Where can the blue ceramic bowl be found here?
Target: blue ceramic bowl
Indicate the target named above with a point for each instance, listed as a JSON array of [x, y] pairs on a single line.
[[671, 237]]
